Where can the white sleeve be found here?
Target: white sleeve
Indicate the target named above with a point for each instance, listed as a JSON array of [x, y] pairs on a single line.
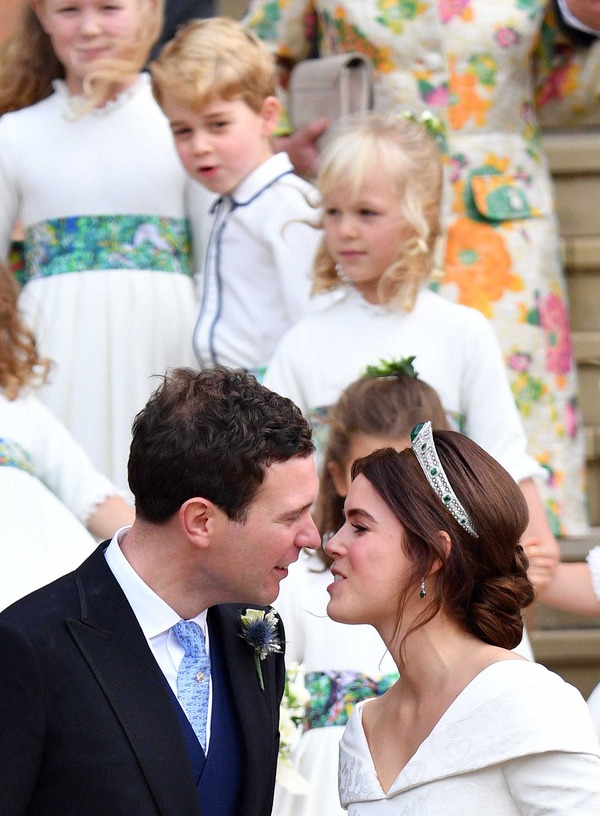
[[64, 467], [556, 783], [286, 372], [593, 560], [492, 417], [8, 193], [560, 775]]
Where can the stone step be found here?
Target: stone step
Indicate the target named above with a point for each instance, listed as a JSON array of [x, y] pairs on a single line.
[[569, 644], [573, 153], [574, 654], [575, 548], [586, 346], [581, 253], [592, 443]]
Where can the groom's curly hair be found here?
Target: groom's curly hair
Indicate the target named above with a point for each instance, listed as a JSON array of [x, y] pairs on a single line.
[[212, 434]]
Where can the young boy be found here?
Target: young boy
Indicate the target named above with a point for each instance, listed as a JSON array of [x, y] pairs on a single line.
[[216, 85]]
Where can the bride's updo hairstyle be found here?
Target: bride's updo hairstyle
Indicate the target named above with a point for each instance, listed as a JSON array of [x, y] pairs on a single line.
[[482, 583]]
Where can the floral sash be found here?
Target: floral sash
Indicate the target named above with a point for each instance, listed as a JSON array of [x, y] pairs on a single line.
[[333, 695], [99, 242], [14, 455]]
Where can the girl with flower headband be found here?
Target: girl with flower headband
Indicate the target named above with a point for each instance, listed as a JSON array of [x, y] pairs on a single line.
[[88, 169], [48, 487], [429, 555], [344, 664], [380, 180]]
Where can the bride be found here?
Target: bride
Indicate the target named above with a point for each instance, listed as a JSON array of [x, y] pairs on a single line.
[[429, 555]]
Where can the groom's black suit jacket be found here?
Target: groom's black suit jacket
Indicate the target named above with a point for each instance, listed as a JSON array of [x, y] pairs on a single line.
[[87, 724]]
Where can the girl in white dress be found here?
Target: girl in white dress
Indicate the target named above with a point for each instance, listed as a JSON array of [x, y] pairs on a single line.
[[88, 169], [48, 487], [429, 555], [380, 182]]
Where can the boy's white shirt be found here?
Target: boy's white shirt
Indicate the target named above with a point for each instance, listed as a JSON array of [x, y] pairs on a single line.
[[256, 277]]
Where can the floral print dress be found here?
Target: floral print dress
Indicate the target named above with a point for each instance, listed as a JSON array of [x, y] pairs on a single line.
[[482, 67]]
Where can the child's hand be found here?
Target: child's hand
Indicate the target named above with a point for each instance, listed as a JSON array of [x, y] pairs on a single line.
[[541, 565]]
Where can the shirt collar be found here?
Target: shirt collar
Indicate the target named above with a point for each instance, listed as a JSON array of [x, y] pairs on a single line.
[[255, 182], [153, 614], [264, 175]]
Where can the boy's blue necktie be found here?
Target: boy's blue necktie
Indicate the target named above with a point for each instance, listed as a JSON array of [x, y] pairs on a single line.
[[193, 677]]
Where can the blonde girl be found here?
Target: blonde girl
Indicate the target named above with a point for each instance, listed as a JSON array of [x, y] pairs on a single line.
[[48, 487], [380, 181], [88, 169]]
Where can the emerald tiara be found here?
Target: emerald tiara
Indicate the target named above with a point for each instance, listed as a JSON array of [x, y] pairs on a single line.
[[423, 446]]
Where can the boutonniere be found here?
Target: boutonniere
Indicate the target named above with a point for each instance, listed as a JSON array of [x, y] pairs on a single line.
[[259, 630]]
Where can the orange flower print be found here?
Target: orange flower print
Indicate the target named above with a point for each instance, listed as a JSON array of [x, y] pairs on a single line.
[[353, 39], [465, 102], [479, 265]]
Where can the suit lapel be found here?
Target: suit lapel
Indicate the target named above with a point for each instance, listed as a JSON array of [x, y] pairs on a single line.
[[258, 710], [111, 641]]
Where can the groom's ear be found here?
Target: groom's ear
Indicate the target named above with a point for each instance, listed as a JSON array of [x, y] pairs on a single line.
[[199, 519]]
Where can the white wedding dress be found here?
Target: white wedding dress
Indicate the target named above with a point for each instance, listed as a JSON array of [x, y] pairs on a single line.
[[517, 740]]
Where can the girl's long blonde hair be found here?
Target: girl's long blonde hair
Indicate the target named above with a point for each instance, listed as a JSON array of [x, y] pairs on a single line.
[[409, 157], [20, 363], [29, 66]]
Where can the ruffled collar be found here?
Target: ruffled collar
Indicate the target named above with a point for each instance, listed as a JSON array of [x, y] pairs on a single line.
[[351, 294], [75, 101]]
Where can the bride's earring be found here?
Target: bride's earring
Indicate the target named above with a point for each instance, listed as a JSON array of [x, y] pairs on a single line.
[[422, 592]]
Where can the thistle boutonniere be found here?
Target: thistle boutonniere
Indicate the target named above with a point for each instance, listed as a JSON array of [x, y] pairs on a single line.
[[259, 630]]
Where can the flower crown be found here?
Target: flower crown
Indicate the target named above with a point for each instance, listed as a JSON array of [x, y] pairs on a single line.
[[393, 368], [423, 447], [432, 124]]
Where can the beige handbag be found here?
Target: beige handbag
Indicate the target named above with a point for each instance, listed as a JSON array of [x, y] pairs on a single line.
[[333, 86]]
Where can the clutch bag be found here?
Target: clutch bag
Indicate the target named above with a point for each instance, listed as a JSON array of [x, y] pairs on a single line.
[[334, 86]]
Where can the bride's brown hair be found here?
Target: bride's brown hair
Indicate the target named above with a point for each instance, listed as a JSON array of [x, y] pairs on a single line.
[[482, 583]]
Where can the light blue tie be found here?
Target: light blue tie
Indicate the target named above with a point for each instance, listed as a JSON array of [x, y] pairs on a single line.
[[193, 677]]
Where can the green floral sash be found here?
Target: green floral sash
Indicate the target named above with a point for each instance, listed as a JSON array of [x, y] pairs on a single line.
[[99, 242], [333, 695], [14, 455]]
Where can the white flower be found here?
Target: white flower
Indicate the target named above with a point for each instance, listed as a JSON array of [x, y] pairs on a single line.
[[291, 718]]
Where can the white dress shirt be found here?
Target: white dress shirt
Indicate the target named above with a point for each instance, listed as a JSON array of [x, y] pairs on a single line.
[[155, 617]]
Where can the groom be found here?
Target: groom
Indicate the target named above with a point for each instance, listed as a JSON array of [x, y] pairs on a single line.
[[127, 688]]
